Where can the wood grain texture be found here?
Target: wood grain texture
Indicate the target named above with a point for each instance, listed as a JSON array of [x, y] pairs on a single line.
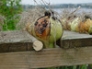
[[21, 41], [16, 41], [78, 52], [74, 39], [46, 58]]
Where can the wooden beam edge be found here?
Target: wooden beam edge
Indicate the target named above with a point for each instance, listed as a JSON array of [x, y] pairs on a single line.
[[52, 57]]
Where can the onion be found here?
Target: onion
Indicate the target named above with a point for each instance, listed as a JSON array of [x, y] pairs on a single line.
[[74, 24]]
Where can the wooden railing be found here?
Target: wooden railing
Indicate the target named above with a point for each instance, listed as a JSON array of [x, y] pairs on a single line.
[[16, 51]]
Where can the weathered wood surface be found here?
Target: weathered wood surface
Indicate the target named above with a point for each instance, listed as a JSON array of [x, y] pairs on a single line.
[[74, 39], [15, 41], [46, 58], [22, 41], [53, 57]]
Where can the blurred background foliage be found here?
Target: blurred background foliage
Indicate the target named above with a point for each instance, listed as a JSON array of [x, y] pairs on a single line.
[[9, 9]]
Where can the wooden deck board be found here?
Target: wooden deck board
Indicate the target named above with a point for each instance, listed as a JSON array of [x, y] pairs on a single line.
[[15, 41], [46, 58], [21, 41], [74, 39]]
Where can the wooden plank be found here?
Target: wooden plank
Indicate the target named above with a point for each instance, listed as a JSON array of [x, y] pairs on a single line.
[[46, 58], [15, 41], [22, 41], [74, 39], [14, 37]]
